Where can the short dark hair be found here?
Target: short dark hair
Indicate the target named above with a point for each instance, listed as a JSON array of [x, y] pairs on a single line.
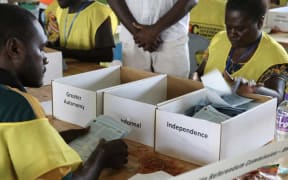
[[255, 9], [15, 22]]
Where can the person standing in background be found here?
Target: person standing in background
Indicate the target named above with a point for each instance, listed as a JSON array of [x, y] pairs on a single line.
[[155, 34], [85, 29]]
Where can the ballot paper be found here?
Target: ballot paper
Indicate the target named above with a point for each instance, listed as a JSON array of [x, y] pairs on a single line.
[[215, 81], [104, 127], [220, 91], [211, 114]]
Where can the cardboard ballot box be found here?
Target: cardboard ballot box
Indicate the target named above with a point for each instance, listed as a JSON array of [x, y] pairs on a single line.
[[78, 98], [201, 141], [135, 103], [54, 68], [278, 18]]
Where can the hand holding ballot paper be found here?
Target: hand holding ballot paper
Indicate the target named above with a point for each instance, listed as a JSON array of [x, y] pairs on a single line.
[[223, 102], [226, 89], [225, 84], [104, 127], [240, 84]]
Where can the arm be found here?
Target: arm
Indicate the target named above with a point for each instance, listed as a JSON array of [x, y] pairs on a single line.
[[200, 69], [274, 86], [123, 13], [147, 35], [71, 134], [104, 43], [127, 19], [112, 154], [178, 11], [103, 54]]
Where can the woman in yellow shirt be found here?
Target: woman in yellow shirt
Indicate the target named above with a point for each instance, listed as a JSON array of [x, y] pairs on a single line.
[[85, 29], [243, 50]]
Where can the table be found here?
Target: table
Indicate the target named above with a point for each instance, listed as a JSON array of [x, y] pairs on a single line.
[[140, 157]]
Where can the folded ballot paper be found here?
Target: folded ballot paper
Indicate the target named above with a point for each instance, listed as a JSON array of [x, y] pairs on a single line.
[[104, 127], [221, 91]]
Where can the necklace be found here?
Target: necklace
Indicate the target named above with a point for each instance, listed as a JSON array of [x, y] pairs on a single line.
[[67, 33], [233, 66]]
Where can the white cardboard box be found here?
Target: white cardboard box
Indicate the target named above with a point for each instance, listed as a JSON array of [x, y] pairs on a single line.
[[278, 18], [201, 141], [54, 69], [78, 98], [135, 103]]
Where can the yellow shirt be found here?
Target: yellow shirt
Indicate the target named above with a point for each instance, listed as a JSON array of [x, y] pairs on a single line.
[[78, 30], [31, 149]]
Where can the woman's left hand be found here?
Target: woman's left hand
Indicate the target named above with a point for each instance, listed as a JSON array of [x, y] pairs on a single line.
[[246, 88]]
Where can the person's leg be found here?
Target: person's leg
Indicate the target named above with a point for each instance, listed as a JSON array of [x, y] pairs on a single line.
[[136, 57], [173, 58]]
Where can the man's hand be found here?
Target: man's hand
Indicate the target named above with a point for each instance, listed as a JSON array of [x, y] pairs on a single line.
[[147, 37], [71, 134], [107, 154], [115, 153]]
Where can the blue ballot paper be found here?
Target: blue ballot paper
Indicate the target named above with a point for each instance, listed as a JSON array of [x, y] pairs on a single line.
[[104, 127]]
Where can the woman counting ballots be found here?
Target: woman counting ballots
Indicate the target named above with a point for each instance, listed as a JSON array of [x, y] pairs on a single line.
[[245, 51]]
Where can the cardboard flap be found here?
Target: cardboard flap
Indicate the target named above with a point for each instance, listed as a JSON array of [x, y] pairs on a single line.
[[93, 80], [151, 90], [130, 74], [257, 97], [178, 86], [181, 103]]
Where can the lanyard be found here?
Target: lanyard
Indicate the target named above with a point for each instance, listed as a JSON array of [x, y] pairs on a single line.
[[67, 34]]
